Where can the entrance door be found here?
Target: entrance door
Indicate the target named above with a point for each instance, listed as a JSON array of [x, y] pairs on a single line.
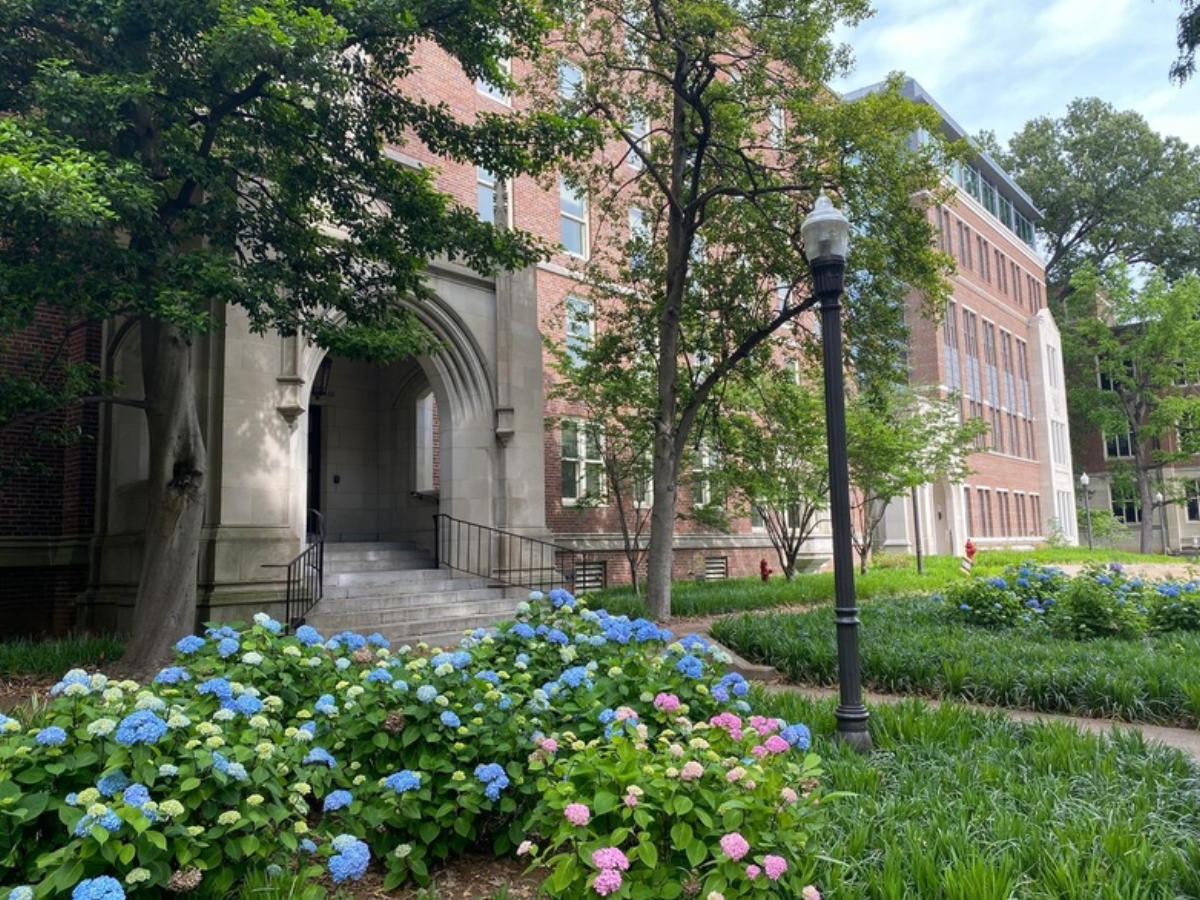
[[314, 456]]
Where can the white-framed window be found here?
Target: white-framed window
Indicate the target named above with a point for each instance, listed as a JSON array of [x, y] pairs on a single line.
[[582, 462], [488, 194], [1193, 499], [1058, 442], [778, 125], [1118, 446], [1125, 507], [572, 220], [639, 237], [639, 128], [703, 461], [495, 92], [570, 81], [643, 485], [581, 325]]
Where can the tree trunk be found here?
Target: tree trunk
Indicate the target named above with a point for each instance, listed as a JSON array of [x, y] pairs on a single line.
[[662, 531], [165, 609], [1145, 532]]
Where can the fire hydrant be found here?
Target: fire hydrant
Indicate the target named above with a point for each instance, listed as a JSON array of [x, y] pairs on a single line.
[[764, 570], [970, 550]]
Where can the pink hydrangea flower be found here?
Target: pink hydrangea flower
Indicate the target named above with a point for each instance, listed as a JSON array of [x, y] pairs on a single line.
[[789, 796], [668, 703], [775, 866], [763, 725], [624, 713], [737, 773], [631, 800], [730, 723], [611, 858], [676, 751], [776, 744], [759, 750], [715, 895], [734, 846], [550, 745], [810, 893], [753, 871], [691, 770], [748, 784], [525, 848], [577, 814], [607, 882]]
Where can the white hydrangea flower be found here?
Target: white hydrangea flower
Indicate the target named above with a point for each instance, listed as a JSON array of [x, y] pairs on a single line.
[[101, 728], [252, 658]]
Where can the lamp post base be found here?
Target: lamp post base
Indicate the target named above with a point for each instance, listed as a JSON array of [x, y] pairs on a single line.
[[852, 729]]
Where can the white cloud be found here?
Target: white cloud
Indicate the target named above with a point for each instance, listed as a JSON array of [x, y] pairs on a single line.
[[1073, 28]]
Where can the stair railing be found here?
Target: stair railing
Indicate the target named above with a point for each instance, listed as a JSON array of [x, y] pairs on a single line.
[[502, 556], [305, 574]]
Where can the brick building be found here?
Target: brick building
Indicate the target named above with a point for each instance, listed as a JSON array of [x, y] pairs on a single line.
[[468, 432], [997, 348]]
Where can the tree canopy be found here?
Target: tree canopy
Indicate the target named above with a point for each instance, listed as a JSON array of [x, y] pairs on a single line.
[[161, 160], [722, 134], [1133, 358], [1110, 188], [1187, 37]]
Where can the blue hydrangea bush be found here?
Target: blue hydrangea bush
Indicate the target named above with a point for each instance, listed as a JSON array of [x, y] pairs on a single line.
[[324, 755], [1101, 601]]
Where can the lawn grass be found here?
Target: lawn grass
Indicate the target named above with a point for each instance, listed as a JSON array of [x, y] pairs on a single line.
[[55, 656], [704, 598], [911, 646], [959, 805]]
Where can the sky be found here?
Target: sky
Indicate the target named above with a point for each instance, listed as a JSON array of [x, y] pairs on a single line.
[[996, 64]]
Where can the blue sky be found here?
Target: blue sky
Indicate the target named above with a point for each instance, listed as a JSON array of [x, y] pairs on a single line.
[[996, 64]]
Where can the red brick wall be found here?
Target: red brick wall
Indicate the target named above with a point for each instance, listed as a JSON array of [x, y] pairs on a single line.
[[37, 588]]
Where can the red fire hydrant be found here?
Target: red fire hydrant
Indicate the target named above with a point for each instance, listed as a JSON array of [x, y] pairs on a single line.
[[970, 550], [764, 570]]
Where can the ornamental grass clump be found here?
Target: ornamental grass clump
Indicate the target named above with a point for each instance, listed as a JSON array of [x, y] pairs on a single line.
[[326, 756]]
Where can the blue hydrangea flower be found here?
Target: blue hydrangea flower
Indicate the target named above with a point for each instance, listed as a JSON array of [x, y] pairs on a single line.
[[342, 663], [350, 640], [797, 735], [21, 892], [218, 687], [51, 737], [450, 720], [172, 675], [689, 666], [495, 779], [268, 623], [998, 582], [136, 795], [189, 645], [489, 676], [74, 677], [351, 860], [112, 784], [326, 705], [337, 800], [376, 639], [606, 716], [247, 705], [309, 636], [692, 642], [426, 693], [574, 677], [227, 647], [380, 675], [103, 887], [310, 727], [523, 631], [141, 727], [318, 756], [554, 636], [224, 631], [559, 598], [403, 781], [308, 846]]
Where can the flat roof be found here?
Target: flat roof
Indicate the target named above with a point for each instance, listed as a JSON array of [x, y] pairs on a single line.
[[991, 169]]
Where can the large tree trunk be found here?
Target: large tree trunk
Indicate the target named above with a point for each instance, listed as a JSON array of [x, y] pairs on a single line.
[[165, 609], [662, 531], [1145, 532]]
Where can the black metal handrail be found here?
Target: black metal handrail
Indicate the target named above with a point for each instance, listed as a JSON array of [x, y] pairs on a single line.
[[501, 556], [305, 574]]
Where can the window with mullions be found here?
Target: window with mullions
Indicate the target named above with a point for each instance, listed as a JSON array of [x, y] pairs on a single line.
[[582, 462], [487, 195], [495, 92], [1126, 507], [1193, 499], [970, 180], [581, 325], [639, 128], [1118, 446], [703, 462], [990, 198], [570, 82], [572, 220]]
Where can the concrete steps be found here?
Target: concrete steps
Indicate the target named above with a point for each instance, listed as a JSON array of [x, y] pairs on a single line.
[[392, 588]]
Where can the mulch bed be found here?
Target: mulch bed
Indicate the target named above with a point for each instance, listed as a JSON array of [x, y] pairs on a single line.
[[16, 690]]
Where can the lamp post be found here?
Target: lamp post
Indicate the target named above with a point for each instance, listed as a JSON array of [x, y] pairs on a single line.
[[1162, 518], [1087, 506], [826, 234]]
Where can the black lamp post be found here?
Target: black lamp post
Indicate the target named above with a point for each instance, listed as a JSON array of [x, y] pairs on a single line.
[[1087, 506], [826, 234]]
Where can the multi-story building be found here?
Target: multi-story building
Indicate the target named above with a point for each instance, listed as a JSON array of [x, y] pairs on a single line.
[[467, 432], [998, 351]]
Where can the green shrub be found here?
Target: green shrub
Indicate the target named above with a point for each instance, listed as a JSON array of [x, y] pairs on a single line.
[[261, 750], [1100, 602], [1175, 611], [985, 602], [712, 808]]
